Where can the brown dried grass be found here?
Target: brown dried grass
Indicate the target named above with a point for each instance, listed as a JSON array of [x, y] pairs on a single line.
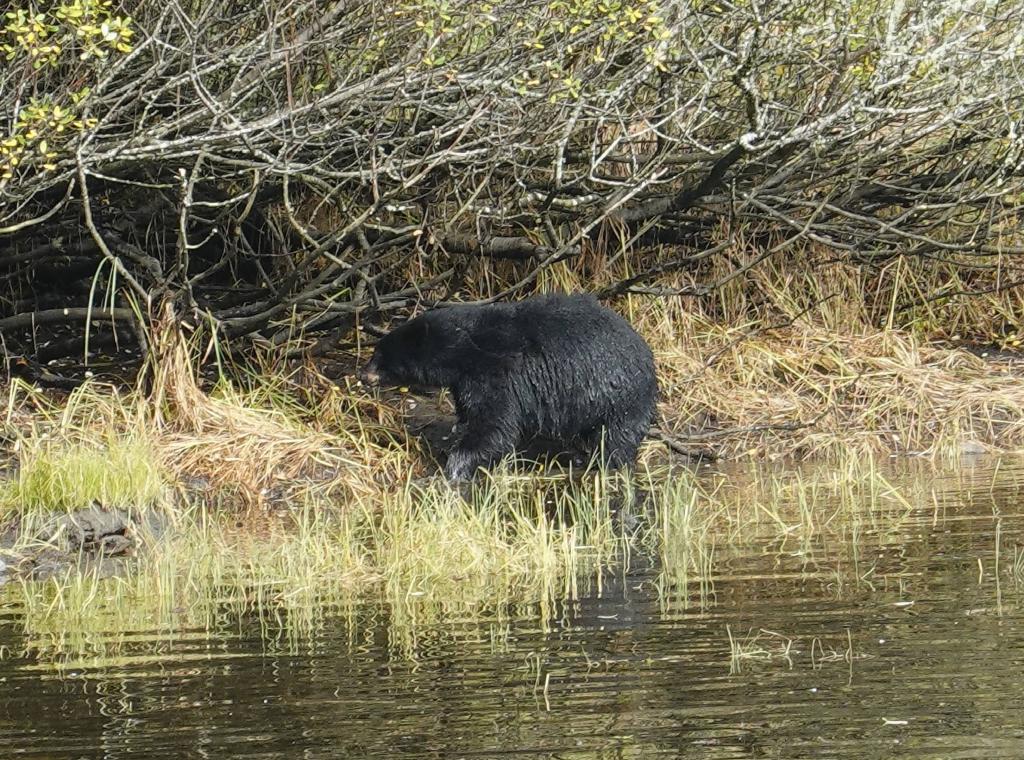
[[806, 391], [273, 440], [802, 359]]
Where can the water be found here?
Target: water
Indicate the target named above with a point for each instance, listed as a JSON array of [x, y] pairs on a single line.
[[898, 636]]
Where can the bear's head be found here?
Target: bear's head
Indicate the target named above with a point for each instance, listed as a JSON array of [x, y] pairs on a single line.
[[430, 351]]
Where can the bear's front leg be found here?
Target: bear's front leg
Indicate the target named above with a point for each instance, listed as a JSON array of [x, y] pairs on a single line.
[[489, 434]]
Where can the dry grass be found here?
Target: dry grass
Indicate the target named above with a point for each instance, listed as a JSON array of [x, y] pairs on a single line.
[[248, 444], [807, 391], [261, 441]]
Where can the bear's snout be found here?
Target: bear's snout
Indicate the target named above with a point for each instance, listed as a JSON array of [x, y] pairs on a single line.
[[369, 375]]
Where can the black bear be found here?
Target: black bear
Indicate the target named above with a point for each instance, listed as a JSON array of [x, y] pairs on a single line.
[[560, 367]]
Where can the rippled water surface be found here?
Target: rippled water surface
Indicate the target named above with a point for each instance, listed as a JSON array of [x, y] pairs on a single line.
[[892, 637]]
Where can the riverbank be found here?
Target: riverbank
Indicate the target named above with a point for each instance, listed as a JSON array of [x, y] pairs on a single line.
[[816, 385], [293, 471]]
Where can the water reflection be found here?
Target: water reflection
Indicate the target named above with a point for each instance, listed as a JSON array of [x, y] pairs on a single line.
[[798, 613]]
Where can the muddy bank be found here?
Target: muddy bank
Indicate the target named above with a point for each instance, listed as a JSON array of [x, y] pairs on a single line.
[[94, 539]]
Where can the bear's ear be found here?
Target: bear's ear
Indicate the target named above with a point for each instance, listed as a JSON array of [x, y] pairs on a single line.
[[416, 329]]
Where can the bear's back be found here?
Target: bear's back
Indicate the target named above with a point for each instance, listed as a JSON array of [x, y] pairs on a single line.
[[578, 322], [582, 363]]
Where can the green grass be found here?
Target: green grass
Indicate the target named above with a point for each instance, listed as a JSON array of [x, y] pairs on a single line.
[[515, 543], [56, 475], [426, 553]]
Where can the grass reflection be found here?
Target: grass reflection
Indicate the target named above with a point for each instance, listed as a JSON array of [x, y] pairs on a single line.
[[516, 547]]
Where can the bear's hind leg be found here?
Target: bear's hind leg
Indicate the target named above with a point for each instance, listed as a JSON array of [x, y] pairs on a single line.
[[616, 446]]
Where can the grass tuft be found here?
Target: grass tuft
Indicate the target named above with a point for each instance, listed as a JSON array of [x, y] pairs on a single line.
[[62, 476]]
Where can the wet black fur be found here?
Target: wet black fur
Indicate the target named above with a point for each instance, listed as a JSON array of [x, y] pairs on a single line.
[[559, 367]]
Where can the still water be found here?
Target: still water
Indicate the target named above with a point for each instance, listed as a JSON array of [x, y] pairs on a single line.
[[901, 636]]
